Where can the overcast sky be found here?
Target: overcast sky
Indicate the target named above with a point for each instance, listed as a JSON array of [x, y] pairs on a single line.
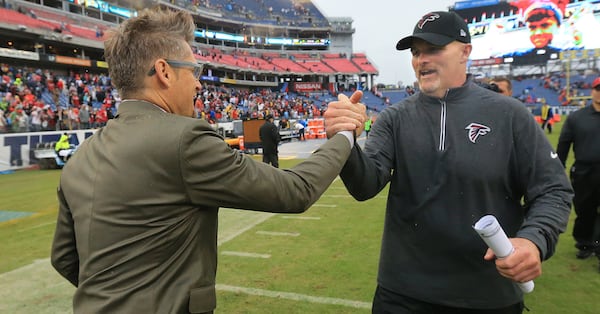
[[379, 24]]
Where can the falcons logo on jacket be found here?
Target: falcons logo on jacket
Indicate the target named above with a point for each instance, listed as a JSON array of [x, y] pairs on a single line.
[[476, 130]]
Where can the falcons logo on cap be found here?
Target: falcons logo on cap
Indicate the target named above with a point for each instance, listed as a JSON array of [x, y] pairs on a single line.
[[430, 17], [476, 130]]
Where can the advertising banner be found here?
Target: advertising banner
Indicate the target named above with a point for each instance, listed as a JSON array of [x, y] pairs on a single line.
[[307, 86], [17, 149]]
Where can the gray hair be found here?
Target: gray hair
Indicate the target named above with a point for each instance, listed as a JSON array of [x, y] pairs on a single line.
[[133, 46]]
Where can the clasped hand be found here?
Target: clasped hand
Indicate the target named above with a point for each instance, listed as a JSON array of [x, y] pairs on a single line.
[[345, 114]]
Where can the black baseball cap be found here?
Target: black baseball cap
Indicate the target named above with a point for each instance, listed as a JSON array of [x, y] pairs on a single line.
[[438, 28]]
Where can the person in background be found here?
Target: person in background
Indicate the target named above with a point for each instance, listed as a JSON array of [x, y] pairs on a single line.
[[138, 203], [547, 116], [582, 130], [62, 146], [300, 126], [368, 124], [84, 117], [504, 85], [284, 124], [269, 138], [3, 123], [19, 120], [35, 119], [453, 153]]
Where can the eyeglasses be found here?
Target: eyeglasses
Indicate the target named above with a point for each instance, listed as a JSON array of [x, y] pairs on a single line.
[[197, 68], [597, 88]]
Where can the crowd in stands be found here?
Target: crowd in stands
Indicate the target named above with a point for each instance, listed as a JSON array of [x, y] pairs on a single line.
[[294, 13], [218, 103], [238, 58], [38, 100], [58, 23], [553, 88], [34, 100]]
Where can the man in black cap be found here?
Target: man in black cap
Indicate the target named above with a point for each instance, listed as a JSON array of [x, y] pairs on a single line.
[[269, 137], [452, 153]]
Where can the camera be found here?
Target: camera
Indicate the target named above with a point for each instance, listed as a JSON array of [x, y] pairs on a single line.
[[490, 86]]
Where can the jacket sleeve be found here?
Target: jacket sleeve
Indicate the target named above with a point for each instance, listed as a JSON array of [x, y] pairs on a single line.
[[547, 191], [64, 257], [276, 136], [367, 172], [564, 142], [215, 175]]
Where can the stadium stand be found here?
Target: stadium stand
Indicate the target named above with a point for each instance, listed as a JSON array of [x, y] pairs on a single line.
[[14, 17], [341, 65], [258, 64], [316, 66], [273, 12], [288, 65], [363, 63], [395, 95], [300, 56]]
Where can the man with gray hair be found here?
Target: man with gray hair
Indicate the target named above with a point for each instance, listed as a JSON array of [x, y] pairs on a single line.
[[138, 202]]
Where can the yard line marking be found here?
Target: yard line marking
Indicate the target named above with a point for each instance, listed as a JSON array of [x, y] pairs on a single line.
[[324, 205], [301, 217], [245, 254], [249, 226], [294, 296], [287, 234], [37, 226], [348, 196]]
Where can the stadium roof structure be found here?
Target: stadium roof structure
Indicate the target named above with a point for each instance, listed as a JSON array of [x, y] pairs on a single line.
[[308, 56]]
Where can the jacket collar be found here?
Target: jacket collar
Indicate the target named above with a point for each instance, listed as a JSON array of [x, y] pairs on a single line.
[[137, 106], [451, 94]]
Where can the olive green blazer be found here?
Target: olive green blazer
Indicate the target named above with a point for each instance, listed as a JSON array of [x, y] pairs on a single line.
[[138, 204]]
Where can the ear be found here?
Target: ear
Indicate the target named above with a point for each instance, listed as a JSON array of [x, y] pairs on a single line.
[[163, 73], [466, 52]]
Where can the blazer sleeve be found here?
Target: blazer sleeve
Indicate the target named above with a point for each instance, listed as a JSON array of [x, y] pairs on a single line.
[[215, 175], [64, 257]]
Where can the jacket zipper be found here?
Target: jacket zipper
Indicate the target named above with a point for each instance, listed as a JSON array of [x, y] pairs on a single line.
[[442, 145]]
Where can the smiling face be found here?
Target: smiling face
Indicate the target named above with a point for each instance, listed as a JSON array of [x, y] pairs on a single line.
[[173, 83], [186, 89], [439, 68]]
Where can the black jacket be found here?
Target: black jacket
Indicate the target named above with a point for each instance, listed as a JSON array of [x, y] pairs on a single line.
[[269, 137], [449, 162]]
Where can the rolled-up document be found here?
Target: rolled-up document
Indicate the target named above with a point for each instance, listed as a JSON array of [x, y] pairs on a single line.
[[494, 236]]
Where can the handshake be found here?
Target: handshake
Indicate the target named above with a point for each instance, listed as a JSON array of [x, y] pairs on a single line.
[[345, 114]]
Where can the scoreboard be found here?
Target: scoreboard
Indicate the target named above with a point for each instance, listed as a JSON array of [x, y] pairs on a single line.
[[500, 32]]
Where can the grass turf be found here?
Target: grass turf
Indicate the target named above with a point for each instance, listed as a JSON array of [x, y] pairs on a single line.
[[334, 257]]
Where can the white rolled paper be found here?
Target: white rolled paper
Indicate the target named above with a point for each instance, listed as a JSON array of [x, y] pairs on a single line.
[[494, 236]]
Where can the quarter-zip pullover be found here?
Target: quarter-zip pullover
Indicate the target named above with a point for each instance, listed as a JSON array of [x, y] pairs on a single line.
[[449, 162]]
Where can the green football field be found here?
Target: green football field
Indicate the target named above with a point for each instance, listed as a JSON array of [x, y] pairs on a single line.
[[322, 261]]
